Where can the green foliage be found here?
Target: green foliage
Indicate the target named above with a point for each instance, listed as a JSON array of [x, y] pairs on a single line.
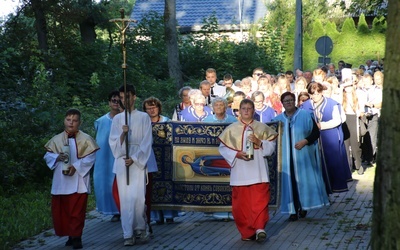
[[379, 25], [362, 25], [312, 11], [318, 29], [147, 56], [24, 215], [369, 7], [290, 45], [331, 30], [28, 213], [351, 45], [349, 26], [206, 50]]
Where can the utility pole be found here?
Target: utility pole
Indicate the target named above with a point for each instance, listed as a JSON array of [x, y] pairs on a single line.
[[298, 37]]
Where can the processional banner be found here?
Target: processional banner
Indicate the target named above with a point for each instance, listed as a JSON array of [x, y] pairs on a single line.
[[192, 175]]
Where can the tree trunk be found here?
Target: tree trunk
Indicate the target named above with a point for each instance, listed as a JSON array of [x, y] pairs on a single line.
[[386, 213], [87, 29], [87, 24], [171, 40], [40, 24]]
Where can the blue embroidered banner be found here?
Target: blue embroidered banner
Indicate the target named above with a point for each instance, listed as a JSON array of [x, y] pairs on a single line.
[[192, 175]]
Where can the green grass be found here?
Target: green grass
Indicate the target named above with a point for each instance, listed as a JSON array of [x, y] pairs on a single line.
[[22, 215], [25, 214]]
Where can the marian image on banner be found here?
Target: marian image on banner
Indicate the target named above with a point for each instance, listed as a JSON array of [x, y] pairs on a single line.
[[203, 164]]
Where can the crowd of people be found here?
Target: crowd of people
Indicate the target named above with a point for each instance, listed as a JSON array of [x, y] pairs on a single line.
[[329, 129]]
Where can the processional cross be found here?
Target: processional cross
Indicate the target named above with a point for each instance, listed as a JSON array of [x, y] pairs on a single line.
[[123, 24]]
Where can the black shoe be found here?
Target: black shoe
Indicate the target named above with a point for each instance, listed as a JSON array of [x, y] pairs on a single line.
[[69, 242], [293, 217], [115, 218], [169, 221], [302, 213], [77, 243]]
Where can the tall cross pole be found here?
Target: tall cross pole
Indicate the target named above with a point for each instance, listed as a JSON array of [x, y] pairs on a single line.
[[123, 24]]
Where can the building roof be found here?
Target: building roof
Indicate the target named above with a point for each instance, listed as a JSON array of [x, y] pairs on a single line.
[[190, 13]]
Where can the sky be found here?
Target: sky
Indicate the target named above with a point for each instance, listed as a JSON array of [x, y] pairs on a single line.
[[7, 6]]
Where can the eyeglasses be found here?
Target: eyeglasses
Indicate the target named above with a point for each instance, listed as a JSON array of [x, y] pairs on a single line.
[[199, 104], [258, 74], [116, 101], [151, 109], [288, 101], [259, 101]]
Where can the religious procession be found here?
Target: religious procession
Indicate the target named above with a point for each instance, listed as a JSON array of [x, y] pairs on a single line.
[[286, 142]]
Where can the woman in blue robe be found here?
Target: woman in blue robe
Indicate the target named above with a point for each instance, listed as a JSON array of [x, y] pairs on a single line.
[[103, 176], [330, 116], [303, 187]]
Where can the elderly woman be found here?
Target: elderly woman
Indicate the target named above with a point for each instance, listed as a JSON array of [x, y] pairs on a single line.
[[220, 105], [188, 111], [184, 95], [196, 112], [330, 116], [303, 187]]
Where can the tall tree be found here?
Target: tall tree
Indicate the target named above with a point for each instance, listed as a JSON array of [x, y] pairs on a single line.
[[171, 40], [87, 22], [386, 201], [368, 7], [40, 24]]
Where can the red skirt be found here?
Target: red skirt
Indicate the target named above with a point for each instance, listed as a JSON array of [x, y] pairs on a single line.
[[250, 208], [68, 212]]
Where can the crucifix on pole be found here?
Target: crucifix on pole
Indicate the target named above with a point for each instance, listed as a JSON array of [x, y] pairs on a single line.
[[123, 24]]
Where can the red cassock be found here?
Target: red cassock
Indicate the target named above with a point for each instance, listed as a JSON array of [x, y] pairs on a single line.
[[69, 213], [116, 194]]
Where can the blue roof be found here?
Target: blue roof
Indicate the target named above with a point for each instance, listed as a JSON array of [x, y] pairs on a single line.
[[190, 13]]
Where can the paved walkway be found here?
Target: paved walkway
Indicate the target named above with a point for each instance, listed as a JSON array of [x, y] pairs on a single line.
[[346, 224]]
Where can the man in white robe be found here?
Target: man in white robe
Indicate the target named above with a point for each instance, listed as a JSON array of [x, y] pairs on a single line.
[[132, 194]]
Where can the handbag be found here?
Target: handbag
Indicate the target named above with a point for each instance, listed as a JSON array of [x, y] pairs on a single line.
[[345, 128], [363, 125], [346, 131]]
